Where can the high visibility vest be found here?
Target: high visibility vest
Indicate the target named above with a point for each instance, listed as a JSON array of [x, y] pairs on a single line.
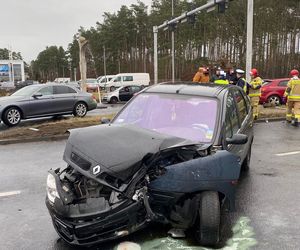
[[294, 86], [220, 81], [255, 91]]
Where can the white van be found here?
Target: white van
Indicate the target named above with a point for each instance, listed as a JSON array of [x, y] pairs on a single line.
[[102, 80], [126, 79]]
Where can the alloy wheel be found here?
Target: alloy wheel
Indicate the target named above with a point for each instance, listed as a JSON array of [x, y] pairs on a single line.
[[13, 116], [81, 109]]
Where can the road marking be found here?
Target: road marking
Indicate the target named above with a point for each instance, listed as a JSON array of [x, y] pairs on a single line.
[[11, 193], [288, 153]]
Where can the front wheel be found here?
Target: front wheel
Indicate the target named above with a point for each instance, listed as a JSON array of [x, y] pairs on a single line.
[[12, 117], [112, 88], [209, 215], [80, 109]]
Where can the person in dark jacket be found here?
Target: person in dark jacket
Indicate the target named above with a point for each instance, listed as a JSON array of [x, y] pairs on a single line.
[[231, 77], [241, 81]]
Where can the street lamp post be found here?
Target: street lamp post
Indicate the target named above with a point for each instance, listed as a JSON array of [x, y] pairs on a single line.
[[249, 39], [173, 47]]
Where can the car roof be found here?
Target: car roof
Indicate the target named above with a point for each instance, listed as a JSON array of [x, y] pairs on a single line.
[[189, 88]]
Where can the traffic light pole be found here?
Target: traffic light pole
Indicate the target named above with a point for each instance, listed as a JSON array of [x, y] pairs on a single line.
[[175, 21]]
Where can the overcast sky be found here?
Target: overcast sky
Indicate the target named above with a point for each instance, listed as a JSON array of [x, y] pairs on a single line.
[[31, 25]]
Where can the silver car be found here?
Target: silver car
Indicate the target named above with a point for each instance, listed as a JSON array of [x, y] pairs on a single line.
[[44, 100]]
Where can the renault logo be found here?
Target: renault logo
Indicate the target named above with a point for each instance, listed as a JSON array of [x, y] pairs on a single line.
[[96, 170]]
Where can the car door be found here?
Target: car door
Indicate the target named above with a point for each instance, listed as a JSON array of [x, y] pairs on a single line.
[[41, 102], [245, 119], [124, 94], [64, 99]]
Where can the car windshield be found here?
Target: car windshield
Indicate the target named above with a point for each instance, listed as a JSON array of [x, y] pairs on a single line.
[[183, 116], [27, 91]]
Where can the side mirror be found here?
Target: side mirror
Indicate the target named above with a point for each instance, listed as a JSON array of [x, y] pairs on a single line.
[[237, 139], [104, 120], [37, 96]]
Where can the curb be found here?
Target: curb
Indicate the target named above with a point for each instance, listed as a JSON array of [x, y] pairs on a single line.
[[37, 139], [271, 119]]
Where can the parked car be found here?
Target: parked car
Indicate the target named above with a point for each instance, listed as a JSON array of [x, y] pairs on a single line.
[[25, 83], [44, 100], [92, 84], [120, 80], [122, 94], [273, 90], [7, 86], [102, 80], [173, 155]]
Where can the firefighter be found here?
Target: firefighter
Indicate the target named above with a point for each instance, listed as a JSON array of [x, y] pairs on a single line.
[[293, 98], [241, 81], [201, 76], [254, 91], [222, 78]]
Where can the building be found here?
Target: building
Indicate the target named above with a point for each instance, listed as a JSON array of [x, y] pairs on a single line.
[[12, 71]]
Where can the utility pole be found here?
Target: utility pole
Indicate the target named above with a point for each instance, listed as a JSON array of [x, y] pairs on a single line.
[[155, 33], [249, 39], [104, 61], [173, 47]]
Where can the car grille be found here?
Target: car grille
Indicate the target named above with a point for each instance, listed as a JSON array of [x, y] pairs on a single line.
[[80, 162]]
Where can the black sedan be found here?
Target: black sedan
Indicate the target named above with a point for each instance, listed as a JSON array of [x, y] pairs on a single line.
[[44, 100], [173, 155]]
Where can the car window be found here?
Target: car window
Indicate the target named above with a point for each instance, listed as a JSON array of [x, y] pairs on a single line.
[[127, 78], [46, 91], [241, 104], [118, 79], [283, 83], [63, 90], [135, 89], [232, 120]]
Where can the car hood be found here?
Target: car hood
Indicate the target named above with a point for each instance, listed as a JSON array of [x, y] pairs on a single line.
[[118, 150], [10, 99]]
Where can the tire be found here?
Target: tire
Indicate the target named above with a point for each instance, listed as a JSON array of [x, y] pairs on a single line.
[[113, 100], [80, 109], [112, 88], [208, 232], [246, 163], [12, 117], [274, 99]]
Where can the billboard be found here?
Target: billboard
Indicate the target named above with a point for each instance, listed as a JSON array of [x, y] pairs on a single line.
[[11, 70]]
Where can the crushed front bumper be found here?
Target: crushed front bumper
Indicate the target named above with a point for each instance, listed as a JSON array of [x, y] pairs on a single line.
[[86, 231]]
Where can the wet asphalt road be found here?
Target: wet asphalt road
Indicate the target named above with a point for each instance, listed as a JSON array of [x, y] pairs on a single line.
[[106, 109], [268, 197]]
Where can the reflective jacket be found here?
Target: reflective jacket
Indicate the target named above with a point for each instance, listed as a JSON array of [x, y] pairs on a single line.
[[221, 81], [242, 83], [293, 89], [255, 85]]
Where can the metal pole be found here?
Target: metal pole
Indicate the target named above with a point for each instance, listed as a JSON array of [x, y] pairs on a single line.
[[104, 61], [75, 73], [249, 39], [155, 31], [173, 47]]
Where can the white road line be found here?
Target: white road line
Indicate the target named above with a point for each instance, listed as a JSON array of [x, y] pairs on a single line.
[[11, 193], [288, 153]]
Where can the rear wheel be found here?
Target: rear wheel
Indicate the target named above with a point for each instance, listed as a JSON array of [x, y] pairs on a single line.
[[209, 216], [12, 117], [80, 109], [274, 99], [113, 100]]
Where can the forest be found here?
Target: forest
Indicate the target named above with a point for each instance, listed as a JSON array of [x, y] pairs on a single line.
[[211, 39]]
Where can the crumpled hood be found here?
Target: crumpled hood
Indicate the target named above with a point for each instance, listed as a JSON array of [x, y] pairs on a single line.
[[117, 149]]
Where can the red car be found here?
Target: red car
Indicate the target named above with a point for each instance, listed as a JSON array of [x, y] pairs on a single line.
[[273, 90]]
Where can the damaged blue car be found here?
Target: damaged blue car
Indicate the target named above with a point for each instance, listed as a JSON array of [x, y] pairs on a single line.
[[172, 155]]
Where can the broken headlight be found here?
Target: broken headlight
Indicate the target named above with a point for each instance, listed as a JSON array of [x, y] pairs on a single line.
[[51, 188]]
